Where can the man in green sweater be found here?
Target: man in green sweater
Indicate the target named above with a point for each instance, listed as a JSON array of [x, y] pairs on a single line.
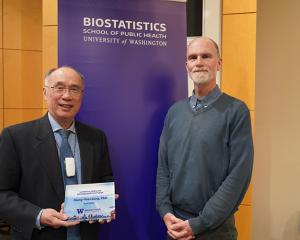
[[205, 154]]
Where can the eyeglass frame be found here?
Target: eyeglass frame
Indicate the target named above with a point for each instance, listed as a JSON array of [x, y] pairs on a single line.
[[60, 90]]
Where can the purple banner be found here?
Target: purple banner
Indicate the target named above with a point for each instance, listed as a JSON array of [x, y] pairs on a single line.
[[132, 54]]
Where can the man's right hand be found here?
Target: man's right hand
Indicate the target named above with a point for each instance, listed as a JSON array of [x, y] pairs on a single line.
[[175, 229], [170, 219], [52, 218]]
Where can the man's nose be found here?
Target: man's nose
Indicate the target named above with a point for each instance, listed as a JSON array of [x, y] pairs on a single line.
[[67, 93], [199, 60]]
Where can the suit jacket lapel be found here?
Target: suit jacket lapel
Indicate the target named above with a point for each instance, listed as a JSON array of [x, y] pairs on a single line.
[[86, 154], [47, 153]]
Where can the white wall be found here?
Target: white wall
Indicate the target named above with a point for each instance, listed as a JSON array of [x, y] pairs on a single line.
[[276, 191]]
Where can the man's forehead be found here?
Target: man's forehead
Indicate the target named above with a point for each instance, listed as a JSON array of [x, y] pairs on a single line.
[[201, 46], [65, 74], [65, 82]]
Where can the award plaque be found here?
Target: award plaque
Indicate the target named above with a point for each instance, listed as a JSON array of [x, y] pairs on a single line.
[[89, 202]]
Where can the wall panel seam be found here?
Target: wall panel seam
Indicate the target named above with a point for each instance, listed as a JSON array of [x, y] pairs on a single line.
[[10, 108], [23, 50], [238, 13], [50, 25], [246, 205]]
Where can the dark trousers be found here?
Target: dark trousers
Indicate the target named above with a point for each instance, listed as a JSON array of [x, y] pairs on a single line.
[[226, 231]]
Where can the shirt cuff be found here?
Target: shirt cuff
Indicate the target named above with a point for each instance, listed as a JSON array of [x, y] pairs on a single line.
[[38, 220]]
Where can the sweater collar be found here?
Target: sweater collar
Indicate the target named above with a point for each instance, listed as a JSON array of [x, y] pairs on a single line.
[[207, 100]]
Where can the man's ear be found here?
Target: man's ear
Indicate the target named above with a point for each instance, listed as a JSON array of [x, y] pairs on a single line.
[[44, 93], [219, 64]]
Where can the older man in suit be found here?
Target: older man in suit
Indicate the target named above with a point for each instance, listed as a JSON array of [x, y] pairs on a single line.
[[32, 176]]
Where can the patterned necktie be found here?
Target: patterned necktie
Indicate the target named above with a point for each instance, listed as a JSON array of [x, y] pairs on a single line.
[[65, 151], [73, 233]]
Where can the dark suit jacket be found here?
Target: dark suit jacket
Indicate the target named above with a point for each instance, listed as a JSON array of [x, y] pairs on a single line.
[[31, 178]]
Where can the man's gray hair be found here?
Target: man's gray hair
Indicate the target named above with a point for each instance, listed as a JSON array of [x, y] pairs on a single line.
[[49, 72], [210, 39]]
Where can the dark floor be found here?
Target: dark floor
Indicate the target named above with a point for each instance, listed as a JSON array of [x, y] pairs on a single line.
[[4, 232], [4, 237]]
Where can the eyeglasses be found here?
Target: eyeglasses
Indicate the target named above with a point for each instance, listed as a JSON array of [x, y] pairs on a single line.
[[60, 90]]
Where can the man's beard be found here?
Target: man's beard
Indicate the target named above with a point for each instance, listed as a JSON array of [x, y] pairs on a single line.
[[199, 77]]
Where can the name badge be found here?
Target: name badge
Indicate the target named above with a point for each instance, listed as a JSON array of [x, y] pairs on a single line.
[[70, 166]]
